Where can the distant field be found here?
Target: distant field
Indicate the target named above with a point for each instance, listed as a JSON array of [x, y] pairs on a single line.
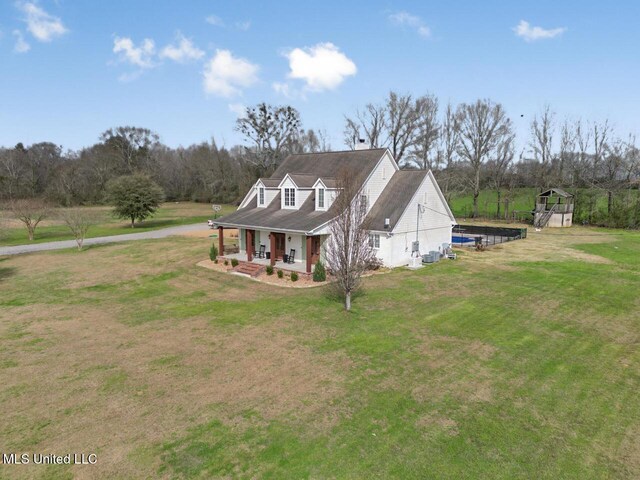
[[522, 199], [52, 229], [515, 363]]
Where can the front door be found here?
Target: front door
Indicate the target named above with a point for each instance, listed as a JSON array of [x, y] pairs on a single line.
[[280, 237], [315, 249]]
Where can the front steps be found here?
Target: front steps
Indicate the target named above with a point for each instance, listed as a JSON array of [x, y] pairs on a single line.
[[249, 269]]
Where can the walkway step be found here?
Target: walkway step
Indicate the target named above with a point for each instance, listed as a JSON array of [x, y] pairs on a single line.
[[251, 269]]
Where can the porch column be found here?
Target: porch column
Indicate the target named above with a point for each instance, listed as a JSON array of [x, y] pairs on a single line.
[[273, 248], [309, 254], [248, 244], [221, 240]]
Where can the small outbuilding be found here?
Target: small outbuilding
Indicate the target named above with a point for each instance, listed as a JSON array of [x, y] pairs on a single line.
[[554, 208]]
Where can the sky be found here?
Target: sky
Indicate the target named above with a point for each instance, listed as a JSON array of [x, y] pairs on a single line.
[[71, 69]]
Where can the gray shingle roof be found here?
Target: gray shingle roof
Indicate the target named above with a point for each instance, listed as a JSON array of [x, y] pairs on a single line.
[[304, 169], [391, 204], [394, 198], [303, 180], [271, 182], [329, 164], [557, 191], [272, 217]]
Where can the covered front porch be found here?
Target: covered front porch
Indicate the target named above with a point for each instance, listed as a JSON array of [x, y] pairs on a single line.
[[298, 267], [287, 251]]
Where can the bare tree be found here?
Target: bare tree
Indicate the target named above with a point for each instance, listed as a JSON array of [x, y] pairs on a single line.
[[348, 251], [130, 145], [78, 221], [30, 211], [269, 129], [613, 166], [483, 126], [567, 150], [368, 125], [449, 143], [402, 124], [542, 131], [427, 133], [499, 166]]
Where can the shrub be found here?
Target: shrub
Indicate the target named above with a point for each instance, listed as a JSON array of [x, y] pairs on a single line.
[[319, 273], [374, 263], [234, 262], [280, 274], [215, 261], [226, 262], [213, 253], [294, 277], [269, 270]]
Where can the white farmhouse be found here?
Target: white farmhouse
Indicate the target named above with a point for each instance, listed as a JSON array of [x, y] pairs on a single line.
[[285, 218]]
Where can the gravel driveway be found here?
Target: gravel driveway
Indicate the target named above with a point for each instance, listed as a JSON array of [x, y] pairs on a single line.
[[162, 233]]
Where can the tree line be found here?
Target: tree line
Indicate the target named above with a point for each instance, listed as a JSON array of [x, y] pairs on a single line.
[[469, 147]]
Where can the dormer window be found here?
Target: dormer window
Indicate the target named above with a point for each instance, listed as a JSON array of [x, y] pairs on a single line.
[[261, 196], [321, 198], [289, 197]]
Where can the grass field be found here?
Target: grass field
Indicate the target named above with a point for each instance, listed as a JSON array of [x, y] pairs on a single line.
[[522, 199], [518, 362], [462, 204], [53, 228]]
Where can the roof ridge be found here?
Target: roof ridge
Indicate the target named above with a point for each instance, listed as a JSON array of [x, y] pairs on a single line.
[[338, 151]]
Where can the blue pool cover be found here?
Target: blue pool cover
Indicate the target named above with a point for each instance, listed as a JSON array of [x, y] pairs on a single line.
[[458, 239]]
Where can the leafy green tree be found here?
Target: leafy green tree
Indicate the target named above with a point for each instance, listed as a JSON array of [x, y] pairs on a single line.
[[134, 197]]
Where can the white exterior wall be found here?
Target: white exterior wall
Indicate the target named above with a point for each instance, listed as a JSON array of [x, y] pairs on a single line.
[[269, 195], [295, 243], [301, 194], [379, 178], [434, 226]]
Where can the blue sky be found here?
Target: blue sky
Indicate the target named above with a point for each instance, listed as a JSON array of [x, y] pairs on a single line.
[[71, 69]]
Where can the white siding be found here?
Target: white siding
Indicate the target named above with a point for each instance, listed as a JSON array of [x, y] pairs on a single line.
[[295, 243], [379, 178], [250, 194], [433, 225], [262, 238], [269, 195], [288, 184]]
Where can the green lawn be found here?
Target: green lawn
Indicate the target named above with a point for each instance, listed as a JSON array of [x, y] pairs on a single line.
[[518, 362], [52, 229], [521, 199]]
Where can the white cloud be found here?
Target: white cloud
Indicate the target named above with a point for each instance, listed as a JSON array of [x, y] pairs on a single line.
[[531, 34], [225, 74], [41, 25], [219, 22], [238, 108], [322, 67], [244, 26], [130, 76], [405, 19], [141, 56], [21, 46], [214, 20], [282, 88], [184, 51]]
